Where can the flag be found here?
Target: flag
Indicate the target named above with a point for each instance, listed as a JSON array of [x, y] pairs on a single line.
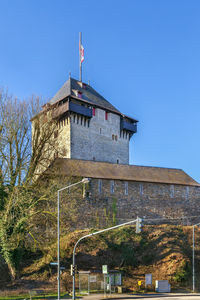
[[81, 53]]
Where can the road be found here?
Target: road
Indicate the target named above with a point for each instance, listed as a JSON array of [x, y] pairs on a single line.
[[143, 297], [165, 298]]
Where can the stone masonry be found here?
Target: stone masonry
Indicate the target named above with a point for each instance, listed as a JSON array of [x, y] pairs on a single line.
[[120, 193], [89, 127], [99, 139], [127, 200], [93, 141]]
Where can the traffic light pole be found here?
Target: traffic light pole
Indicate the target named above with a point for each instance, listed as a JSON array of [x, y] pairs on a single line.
[[86, 236]]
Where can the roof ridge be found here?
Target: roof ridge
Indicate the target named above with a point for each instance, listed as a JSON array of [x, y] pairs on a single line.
[[127, 165], [106, 170], [70, 84]]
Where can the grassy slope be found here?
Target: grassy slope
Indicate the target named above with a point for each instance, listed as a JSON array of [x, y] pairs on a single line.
[[165, 251]]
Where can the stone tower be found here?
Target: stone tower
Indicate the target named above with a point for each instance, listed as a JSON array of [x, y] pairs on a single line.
[[89, 127]]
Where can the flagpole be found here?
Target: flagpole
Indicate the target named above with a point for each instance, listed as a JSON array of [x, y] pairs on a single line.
[[80, 43]]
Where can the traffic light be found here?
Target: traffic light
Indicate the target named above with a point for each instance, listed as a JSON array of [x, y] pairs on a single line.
[[73, 269], [139, 225]]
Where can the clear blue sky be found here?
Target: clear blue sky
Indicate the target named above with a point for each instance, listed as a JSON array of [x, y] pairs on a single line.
[[141, 55]]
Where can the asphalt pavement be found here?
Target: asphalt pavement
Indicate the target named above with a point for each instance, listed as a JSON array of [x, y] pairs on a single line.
[[163, 296]]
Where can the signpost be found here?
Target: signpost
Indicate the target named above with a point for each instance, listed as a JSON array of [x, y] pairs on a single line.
[[105, 269], [139, 283], [148, 279], [53, 263]]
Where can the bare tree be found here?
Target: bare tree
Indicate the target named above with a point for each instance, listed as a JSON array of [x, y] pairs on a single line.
[[20, 157], [23, 150]]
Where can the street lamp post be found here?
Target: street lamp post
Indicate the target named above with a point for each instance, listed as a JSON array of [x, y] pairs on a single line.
[[88, 235], [84, 180], [193, 262]]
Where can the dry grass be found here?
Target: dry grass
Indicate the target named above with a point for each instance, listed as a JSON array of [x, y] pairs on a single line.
[[164, 251]]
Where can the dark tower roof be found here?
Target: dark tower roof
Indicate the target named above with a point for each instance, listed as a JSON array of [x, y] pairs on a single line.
[[88, 95]]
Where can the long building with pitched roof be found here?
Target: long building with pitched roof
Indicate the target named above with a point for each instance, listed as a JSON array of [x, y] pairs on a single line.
[[93, 141]]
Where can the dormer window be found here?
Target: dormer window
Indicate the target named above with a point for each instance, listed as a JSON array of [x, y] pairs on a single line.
[[82, 85], [79, 94]]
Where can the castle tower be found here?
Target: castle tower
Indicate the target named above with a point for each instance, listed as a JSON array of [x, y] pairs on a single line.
[[89, 127]]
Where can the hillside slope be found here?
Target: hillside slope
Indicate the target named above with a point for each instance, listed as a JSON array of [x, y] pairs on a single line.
[[164, 251]]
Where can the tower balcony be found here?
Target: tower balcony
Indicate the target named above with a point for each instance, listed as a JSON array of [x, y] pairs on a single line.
[[132, 127], [80, 109], [72, 107]]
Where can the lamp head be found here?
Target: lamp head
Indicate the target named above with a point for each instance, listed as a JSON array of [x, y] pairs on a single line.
[[85, 180]]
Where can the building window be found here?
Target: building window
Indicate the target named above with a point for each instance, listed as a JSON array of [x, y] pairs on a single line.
[[112, 187], [117, 161], [55, 134], [100, 130], [93, 111], [106, 115], [141, 189], [187, 192], [79, 94], [100, 186], [115, 137], [55, 154], [171, 191], [126, 188]]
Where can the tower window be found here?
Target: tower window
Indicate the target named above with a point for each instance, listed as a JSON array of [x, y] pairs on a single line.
[[55, 154], [93, 111], [55, 134], [106, 115]]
